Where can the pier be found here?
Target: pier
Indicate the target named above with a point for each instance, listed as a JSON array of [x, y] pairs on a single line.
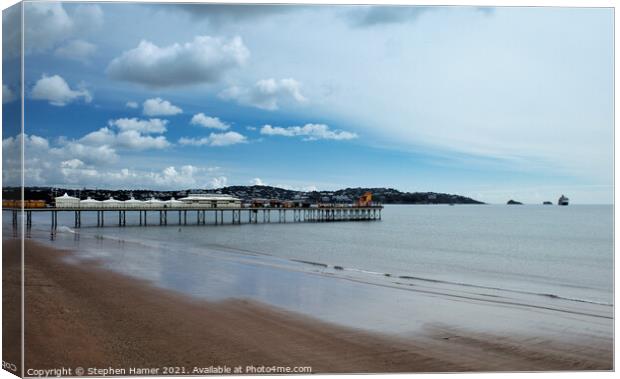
[[112, 216]]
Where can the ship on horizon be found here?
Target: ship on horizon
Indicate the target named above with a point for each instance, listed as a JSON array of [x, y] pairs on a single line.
[[563, 200]]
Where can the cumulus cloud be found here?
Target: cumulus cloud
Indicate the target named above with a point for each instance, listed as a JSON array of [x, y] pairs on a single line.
[[257, 182], [159, 107], [218, 182], [153, 125], [80, 164], [87, 16], [49, 23], [92, 154], [132, 139], [203, 60], [208, 122], [123, 133], [35, 162], [266, 93], [72, 163], [78, 50], [169, 177], [56, 90], [311, 132], [132, 104], [127, 139], [7, 94], [215, 139]]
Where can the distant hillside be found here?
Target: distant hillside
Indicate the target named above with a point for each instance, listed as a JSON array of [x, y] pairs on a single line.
[[347, 195]]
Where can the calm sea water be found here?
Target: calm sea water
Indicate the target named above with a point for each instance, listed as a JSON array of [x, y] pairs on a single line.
[[564, 252], [521, 270]]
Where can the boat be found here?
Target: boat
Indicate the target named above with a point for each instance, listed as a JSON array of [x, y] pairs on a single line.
[[563, 200]]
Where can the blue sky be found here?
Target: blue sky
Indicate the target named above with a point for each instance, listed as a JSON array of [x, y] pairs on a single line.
[[492, 103]]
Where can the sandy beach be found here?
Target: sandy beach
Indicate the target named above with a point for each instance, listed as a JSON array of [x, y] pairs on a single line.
[[83, 315]]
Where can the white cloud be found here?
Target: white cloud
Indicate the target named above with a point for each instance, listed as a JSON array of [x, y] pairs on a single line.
[[132, 139], [87, 16], [266, 93], [48, 23], [153, 125], [103, 136], [56, 90], [218, 182], [311, 132], [203, 60], [159, 107], [36, 162], [132, 104], [7, 94], [209, 122], [168, 178], [72, 163], [88, 153], [257, 182], [128, 139], [78, 50], [215, 139]]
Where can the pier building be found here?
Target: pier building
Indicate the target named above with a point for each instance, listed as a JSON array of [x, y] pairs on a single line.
[[220, 209]]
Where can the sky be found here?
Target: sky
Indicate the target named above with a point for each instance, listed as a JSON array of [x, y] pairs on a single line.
[[490, 103]]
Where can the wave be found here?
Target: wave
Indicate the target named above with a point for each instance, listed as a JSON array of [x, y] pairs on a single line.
[[543, 294], [65, 229], [310, 263], [343, 269], [454, 283]]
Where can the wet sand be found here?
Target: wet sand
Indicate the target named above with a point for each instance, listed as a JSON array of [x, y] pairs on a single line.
[[83, 315]]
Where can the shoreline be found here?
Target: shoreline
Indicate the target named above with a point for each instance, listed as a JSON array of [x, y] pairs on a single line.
[[84, 315]]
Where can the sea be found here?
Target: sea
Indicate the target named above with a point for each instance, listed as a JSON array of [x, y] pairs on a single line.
[[419, 263]]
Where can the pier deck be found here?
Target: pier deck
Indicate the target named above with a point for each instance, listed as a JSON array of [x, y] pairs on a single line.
[[199, 215]]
